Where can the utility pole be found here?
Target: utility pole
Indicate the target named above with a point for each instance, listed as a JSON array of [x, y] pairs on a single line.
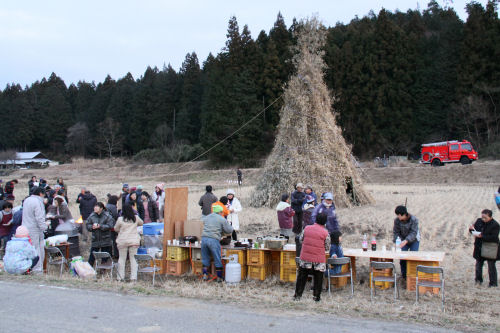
[[264, 107], [173, 129]]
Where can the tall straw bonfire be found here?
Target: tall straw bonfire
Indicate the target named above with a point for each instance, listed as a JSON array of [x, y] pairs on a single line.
[[309, 147]]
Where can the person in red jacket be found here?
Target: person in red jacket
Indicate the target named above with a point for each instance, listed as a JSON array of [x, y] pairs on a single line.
[[315, 241]]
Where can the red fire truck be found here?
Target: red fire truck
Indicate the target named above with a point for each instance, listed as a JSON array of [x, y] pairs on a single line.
[[439, 153]]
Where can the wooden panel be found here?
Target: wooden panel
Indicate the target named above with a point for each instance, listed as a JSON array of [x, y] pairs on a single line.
[[176, 206]]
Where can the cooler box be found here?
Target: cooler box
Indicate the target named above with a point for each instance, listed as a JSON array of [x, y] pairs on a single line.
[[153, 228]]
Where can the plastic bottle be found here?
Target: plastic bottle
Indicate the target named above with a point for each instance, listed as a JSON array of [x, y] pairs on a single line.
[[398, 243], [374, 243], [365, 243]]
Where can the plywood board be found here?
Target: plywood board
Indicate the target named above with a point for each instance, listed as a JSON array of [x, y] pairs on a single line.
[[176, 207]]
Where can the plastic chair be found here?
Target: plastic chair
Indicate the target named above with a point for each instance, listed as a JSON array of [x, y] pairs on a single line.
[[432, 284], [376, 265], [55, 257], [147, 269], [339, 261], [108, 265]]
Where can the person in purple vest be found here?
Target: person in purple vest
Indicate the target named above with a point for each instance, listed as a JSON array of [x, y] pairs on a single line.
[[315, 241]]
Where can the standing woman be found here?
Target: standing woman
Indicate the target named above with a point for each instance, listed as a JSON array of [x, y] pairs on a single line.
[[159, 197], [100, 224], [315, 241], [150, 210], [128, 241], [234, 206]]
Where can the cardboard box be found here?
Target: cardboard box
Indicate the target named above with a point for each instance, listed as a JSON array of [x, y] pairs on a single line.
[[193, 228]]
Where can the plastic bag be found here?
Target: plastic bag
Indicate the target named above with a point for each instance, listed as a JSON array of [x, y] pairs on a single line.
[[73, 261], [84, 270]]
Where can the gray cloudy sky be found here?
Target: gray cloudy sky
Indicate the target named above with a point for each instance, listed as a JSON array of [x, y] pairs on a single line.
[[86, 40]]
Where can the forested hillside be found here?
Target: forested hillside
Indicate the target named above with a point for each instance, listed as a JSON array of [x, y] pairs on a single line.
[[399, 80]]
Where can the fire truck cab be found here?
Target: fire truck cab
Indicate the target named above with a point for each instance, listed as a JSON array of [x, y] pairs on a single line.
[[439, 153]]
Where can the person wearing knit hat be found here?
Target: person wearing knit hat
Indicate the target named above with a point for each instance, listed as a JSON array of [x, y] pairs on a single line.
[[158, 196], [20, 256]]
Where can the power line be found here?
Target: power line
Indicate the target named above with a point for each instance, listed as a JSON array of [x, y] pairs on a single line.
[[226, 138]]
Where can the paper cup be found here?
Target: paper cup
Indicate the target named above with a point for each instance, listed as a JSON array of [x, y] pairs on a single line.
[[169, 242]]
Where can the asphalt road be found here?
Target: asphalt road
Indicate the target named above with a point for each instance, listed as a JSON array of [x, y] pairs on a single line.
[[38, 308]]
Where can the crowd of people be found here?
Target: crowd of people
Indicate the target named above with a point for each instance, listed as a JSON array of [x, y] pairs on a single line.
[[110, 227], [113, 227]]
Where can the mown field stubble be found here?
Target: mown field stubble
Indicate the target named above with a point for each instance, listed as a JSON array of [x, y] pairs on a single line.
[[446, 202]]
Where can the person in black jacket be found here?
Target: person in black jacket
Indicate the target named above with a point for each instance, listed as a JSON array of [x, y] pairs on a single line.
[[149, 206], [297, 201], [31, 184], [100, 223], [87, 202], [112, 209], [489, 229]]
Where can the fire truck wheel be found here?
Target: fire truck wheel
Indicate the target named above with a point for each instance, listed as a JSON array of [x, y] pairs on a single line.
[[436, 162], [465, 160]]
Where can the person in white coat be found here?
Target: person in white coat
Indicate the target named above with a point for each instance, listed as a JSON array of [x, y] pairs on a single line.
[[34, 221], [234, 206]]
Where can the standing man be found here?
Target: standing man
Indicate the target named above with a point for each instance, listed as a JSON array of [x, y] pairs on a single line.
[[206, 201], [34, 221], [298, 198], [214, 225], [488, 229], [406, 228], [240, 176], [87, 202]]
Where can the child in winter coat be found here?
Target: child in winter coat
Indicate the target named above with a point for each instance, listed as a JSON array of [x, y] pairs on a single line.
[[5, 224], [336, 251], [20, 255]]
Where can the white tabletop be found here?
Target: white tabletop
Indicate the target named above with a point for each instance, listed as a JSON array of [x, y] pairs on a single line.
[[403, 255]]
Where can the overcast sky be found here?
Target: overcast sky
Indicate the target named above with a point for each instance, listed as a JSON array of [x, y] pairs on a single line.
[[86, 40]]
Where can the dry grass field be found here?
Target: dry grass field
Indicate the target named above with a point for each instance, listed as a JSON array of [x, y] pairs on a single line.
[[446, 200]]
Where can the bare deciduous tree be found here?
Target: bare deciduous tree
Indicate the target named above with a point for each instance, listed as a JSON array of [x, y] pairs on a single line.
[[77, 139], [162, 136], [8, 157], [109, 140]]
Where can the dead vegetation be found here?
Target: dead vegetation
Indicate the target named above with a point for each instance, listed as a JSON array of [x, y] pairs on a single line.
[[309, 147]]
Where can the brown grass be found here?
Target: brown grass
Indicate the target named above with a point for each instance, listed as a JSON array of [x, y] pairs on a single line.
[[444, 212]]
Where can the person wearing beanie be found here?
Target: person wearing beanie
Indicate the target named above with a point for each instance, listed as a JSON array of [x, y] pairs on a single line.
[[315, 241], [206, 201], [20, 255], [285, 215], [234, 206], [158, 196], [214, 226]]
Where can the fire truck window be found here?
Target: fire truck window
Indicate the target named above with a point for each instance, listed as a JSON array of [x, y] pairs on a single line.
[[467, 146], [454, 147]]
